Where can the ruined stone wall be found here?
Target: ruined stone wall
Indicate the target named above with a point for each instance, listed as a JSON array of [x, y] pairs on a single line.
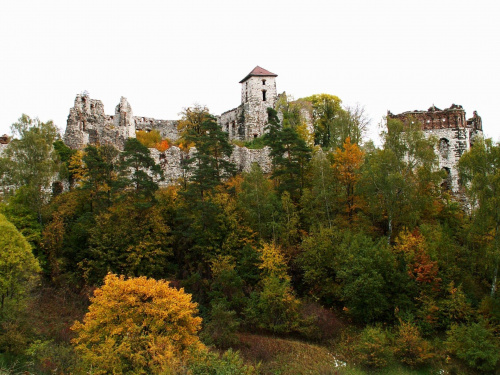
[[88, 124], [232, 122], [454, 133], [166, 128], [173, 161]]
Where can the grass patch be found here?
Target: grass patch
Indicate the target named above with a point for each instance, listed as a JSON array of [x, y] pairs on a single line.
[[256, 143], [287, 356]]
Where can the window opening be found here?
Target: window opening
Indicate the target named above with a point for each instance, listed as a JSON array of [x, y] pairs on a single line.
[[264, 95]]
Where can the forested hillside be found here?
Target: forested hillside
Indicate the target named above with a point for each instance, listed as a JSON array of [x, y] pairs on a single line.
[[357, 256]]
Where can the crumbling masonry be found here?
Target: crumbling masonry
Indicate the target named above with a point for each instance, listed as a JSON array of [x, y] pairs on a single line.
[[88, 124], [456, 135]]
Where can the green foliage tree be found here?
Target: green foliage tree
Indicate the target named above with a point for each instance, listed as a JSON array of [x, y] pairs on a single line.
[[400, 181], [480, 174], [259, 203], [30, 161], [290, 156], [137, 326], [129, 241], [209, 165], [190, 124], [325, 108], [373, 349], [352, 269], [475, 344], [138, 172], [18, 266], [274, 307], [100, 175], [319, 200]]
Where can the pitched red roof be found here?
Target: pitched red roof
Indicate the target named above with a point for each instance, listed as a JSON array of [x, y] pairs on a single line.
[[259, 72]]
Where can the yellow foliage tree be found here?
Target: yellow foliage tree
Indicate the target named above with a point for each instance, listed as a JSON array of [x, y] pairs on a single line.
[[347, 167], [152, 139], [273, 261], [138, 326]]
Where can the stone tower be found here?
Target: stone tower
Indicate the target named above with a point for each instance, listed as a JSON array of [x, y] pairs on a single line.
[[454, 132], [88, 124], [258, 92]]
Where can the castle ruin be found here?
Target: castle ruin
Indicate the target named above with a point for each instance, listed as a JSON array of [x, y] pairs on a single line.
[[455, 134], [88, 124]]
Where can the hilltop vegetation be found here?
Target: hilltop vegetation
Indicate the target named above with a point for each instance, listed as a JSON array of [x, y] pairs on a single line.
[[345, 258]]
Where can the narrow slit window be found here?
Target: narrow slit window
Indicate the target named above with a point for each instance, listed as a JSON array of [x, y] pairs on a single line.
[[264, 95], [263, 82]]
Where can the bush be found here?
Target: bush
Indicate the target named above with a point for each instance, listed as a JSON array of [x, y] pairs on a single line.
[[256, 143], [137, 326], [13, 339], [54, 358], [410, 347], [475, 344], [373, 348], [230, 363], [222, 326], [275, 308]]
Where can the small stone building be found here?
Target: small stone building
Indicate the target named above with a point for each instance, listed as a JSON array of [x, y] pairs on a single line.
[[455, 133]]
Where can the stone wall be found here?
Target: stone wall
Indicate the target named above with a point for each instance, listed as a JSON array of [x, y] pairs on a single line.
[[88, 124], [166, 128], [454, 133], [173, 161]]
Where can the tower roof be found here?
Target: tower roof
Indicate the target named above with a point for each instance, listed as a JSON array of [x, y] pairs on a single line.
[[258, 72]]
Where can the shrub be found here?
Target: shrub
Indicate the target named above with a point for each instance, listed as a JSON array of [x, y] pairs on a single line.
[[230, 363], [373, 348], [222, 326], [275, 308], [137, 326], [410, 347], [475, 344], [256, 143]]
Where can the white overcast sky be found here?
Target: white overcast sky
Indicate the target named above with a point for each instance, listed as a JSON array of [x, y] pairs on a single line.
[[166, 55]]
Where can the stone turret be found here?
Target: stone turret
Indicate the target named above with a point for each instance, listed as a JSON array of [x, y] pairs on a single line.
[[88, 124], [124, 120]]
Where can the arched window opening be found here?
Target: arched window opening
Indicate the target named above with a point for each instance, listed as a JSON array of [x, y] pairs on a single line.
[[446, 184], [444, 148]]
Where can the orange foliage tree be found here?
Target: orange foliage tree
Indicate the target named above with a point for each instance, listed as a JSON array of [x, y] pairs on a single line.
[[137, 326], [152, 139], [413, 247], [347, 164]]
